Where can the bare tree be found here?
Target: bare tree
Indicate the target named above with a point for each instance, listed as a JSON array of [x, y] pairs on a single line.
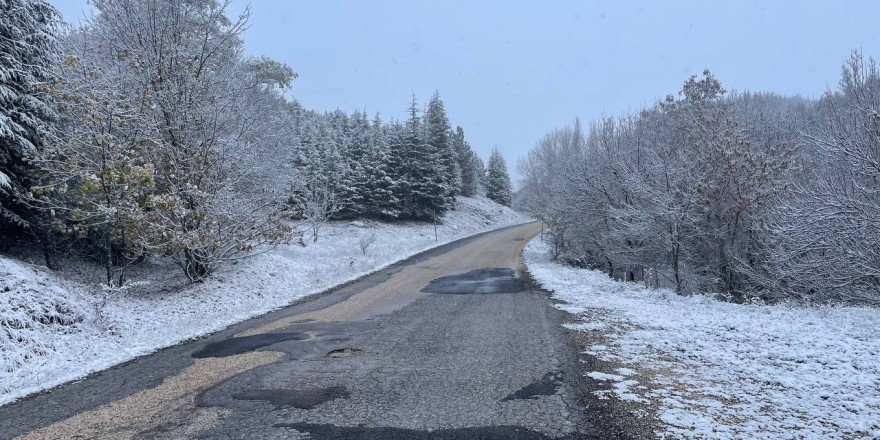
[[672, 192], [365, 241], [822, 238], [319, 202]]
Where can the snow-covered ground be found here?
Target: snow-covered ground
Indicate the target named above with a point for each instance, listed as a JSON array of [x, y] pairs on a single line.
[[712, 369], [54, 330]]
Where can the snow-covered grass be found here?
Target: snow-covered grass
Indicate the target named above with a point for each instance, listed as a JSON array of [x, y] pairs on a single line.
[[713, 369], [54, 330]]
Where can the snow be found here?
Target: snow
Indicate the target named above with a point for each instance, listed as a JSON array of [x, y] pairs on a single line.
[[55, 330], [598, 375], [713, 369]]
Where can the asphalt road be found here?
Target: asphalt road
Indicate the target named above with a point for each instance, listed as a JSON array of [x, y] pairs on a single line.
[[450, 344]]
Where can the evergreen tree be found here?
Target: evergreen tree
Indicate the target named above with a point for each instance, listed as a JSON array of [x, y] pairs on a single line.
[[480, 168], [497, 179], [469, 164], [397, 165], [439, 139], [387, 171], [380, 201], [419, 179], [353, 182], [27, 52]]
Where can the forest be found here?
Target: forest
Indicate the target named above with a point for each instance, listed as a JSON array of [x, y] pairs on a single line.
[[147, 131], [750, 196]]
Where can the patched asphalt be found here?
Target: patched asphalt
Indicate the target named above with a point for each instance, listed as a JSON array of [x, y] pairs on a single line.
[[480, 281], [475, 353]]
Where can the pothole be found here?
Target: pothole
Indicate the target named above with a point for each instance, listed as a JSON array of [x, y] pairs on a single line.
[[244, 344], [546, 386], [343, 352]]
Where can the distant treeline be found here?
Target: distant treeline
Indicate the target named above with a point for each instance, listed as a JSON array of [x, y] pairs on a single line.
[[745, 194]]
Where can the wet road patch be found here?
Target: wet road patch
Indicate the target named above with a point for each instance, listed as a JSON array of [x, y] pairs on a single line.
[[343, 352], [546, 386], [328, 432], [480, 281], [244, 344], [301, 399]]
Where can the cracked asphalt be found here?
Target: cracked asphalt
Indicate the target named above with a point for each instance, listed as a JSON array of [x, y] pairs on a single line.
[[451, 344]]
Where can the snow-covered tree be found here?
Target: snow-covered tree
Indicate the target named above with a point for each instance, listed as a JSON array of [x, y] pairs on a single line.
[[438, 136], [28, 51], [96, 178], [544, 170], [416, 171], [379, 199], [498, 185], [672, 195], [392, 170], [469, 163], [822, 237], [353, 184], [319, 203], [191, 111]]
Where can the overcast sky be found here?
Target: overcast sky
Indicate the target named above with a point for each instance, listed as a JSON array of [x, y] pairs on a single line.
[[509, 71]]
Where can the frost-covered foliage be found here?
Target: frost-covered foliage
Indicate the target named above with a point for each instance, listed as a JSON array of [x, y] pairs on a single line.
[[823, 234], [418, 178], [385, 170], [671, 195], [162, 116], [470, 164], [319, 203], [439, 137], [52, 332], [497, 179], [27, 54], [711, 369], [744, 195]]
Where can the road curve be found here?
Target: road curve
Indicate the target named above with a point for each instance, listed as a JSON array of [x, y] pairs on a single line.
[[453, 343]]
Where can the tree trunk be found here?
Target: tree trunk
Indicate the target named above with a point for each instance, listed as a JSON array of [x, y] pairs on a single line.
[[676, 272], [195, 265], [108, 259]]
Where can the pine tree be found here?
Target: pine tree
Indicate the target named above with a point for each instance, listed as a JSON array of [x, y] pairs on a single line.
[[480, 168], [353, 184], [378, 200], [468, 162], [27, 52], [397, 166], [418, 176], [439, 140], [497, 179]]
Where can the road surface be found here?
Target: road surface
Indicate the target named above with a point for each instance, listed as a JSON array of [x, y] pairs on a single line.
[[450, 344]]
